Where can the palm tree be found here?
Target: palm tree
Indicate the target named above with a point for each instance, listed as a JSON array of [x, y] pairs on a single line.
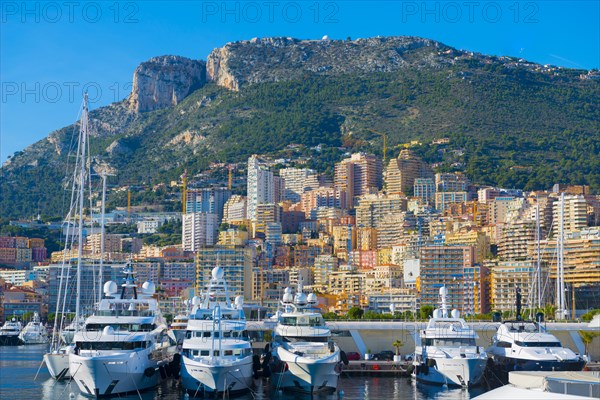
[[587, 337], [397, 344]]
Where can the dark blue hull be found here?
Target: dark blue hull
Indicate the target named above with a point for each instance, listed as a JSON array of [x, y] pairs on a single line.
[[501, 366], [10, 340]]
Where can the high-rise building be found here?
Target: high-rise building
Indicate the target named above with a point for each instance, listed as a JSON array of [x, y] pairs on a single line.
[[451, 182], [266, 213], [401, 172], [424, 188], [444, 199], [261, 186], [358, 175], [89, 284], [207, 200], [574, 214], [322, 197], [296, 182], [235, 209], [325, 264], [199, 229], [372, 209], [516, 239], [236, 262], [446, 266], [505, 277], [470, 237]]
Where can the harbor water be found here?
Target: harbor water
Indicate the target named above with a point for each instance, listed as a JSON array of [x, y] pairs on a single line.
[[20, 365]]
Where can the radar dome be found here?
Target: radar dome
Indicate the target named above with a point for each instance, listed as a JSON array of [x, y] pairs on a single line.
[[300, 299], [148, 288], [110, 288], [239, 301], [455, 313], [195, 301], [288, 298], [443, 291], [312, 298], [288, 290], [437, 313], [217, 273]]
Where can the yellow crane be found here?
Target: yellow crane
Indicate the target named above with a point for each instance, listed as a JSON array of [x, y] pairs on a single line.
[[384, 144], [184, 192]]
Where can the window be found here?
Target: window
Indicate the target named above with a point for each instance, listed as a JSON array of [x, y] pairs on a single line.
[[216, 354], [204, 353], [228, 352], [288, 321], [537, 344]]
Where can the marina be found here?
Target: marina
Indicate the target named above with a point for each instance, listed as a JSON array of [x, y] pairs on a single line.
[[20, 364]]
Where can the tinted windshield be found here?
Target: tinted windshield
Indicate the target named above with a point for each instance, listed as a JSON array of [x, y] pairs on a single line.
[[537, 344]]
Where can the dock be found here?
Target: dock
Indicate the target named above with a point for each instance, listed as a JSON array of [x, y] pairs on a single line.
[[377, 368]]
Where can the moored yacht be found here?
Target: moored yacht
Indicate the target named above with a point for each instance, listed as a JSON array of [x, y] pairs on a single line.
[[124, 346], [9, 333], [34, 332], [179, 326], [304, 356], [217, 354], [447, 353], [520, 345]]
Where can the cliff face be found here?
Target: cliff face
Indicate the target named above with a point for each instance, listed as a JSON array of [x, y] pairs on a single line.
[[277, 59], [164, 81]]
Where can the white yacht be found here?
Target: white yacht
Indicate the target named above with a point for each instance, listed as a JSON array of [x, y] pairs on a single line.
[[179, 326], [34, 332], [67, 334], [526, 346], [9, 333], [304, 356], [124, 346], [446, 352], [217, 354]]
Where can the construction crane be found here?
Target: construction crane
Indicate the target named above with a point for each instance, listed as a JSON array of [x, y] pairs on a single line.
[[184, 192], [384, 143], [230, 168]]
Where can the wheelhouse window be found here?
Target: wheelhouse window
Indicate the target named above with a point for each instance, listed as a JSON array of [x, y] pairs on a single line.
[[321, 339], [112, 345], [537, 344], [450, 342], [289, 321]]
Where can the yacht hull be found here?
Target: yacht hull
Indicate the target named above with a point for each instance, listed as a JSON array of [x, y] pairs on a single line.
[[110, 375], [58, 365], [10, 340], [33, 339], [502, 365], [456, 372], [304, 374], [199, 378]]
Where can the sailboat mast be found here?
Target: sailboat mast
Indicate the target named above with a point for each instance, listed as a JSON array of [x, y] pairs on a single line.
[[100, 277], [560, 282], [82, 173], [539, 264]]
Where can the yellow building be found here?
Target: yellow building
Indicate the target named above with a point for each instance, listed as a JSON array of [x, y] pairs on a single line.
[[475, 238]]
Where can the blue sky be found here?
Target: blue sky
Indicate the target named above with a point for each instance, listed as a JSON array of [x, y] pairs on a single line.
[[51, 51]]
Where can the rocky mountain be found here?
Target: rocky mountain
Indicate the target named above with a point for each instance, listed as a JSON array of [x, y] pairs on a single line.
[[164, 81], [516, 123]]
